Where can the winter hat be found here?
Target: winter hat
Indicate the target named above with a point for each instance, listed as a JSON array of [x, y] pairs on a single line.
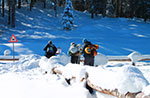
[[72, 43], [50, 42], [84, 40]]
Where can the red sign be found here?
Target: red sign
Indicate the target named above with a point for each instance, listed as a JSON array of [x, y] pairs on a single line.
[[13, 39]]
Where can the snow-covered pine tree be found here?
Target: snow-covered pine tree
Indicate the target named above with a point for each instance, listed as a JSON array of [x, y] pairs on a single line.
[[68, 16], [110, 9]]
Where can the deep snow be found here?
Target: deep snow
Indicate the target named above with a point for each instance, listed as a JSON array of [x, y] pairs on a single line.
[[26, 78]]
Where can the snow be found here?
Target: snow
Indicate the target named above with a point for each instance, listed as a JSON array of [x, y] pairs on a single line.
[[15, 87], [135, 56], [125, 79], [54, 61], [115, 36], [7, 52], [146, 90], [25, 78], [35, 28]]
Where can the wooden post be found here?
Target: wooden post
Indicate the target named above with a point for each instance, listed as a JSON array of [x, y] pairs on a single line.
[[13, 52]]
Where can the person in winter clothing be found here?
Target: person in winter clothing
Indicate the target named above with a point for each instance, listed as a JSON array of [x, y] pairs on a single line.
[[74, 53], [89, 53], [50, 49]]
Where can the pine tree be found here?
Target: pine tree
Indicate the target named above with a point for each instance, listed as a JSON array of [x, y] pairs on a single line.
[[68, 16], [109, 9]]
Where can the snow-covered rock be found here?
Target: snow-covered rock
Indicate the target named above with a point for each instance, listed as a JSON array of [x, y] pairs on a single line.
[[7, 52]]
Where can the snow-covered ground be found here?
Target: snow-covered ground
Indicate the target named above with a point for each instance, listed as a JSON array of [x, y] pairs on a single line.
[[115, 36], [26, 78]]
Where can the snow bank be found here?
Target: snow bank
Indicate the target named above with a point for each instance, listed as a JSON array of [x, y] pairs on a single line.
[[13, 86], [125, 79], [74, 70], [28, 62], [101, 95], [25, 63], [55, 61], [146, 90]]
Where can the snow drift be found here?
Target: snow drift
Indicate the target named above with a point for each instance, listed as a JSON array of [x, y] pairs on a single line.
[[125, 79]]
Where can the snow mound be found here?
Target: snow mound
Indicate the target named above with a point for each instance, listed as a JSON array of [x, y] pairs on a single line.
[[28, 62], [101, 59], [146, 90], [135, 56], [14, 86], [25, 63], [55, 61], [74, 70], [125, 79], [7, 52]]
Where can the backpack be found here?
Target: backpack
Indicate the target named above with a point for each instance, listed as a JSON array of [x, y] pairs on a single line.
[[88, 50], [74, 50], [50, 50]]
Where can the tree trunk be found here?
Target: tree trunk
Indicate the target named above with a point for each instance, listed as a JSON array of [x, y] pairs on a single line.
[[27, 1], [0, 8], [144, 11], [92, 15], [13, 13], [55, 7], [44, 3], [3, 8], [9, 9], [19, 4], [31, 5], [117, 8], [120, 8]]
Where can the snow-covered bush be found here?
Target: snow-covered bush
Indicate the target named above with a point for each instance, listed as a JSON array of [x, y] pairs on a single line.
[[68, 16], [7, 52]]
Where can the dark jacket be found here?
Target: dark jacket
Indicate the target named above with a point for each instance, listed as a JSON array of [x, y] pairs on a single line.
[[50, 50]]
